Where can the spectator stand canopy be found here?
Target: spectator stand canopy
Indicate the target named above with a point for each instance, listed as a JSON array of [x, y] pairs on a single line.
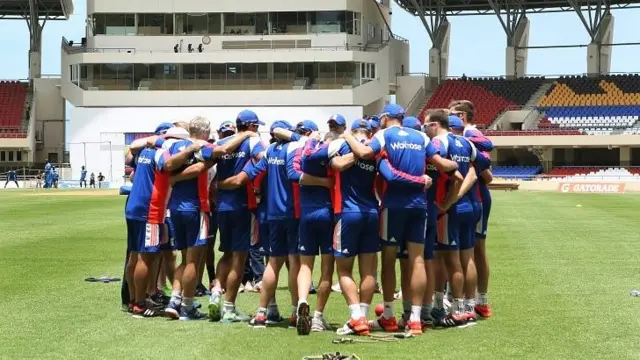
[[36, 13], [595, 15]]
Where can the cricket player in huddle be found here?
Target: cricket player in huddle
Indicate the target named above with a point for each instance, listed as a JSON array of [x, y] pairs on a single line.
[[320, 197]]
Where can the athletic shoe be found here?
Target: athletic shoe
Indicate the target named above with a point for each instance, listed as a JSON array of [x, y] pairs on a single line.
[[201, 290], [404, 319], [193, 314], [484, 311], [241, 289], [336, 288], [173, 311], [378, 288], [312, 289], [427, 323], [257, 286], [303, 323], [145, 312], [197, 304], [415, 327], [234, 317], [161, 298], [150, 304], [274, 318], [398, 295], [320, 324], [127, 308], [215, 307], [388, 325], [354, 327], [248, 287], [293, 321], [259, 321], [449, 320], [470, 316]]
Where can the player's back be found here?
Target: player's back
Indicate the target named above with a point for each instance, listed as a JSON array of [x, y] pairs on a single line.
[[462, 151], [438, 188], [355, 186], [314, 197], [482, 163], [192, 194], [148, 197], [232, 164], [406, 151], [280, 199]]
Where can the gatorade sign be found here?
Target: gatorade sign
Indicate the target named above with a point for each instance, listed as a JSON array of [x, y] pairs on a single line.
[[594, 188]]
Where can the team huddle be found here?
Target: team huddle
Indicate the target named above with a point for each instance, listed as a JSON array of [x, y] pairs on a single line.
[[393, 187]]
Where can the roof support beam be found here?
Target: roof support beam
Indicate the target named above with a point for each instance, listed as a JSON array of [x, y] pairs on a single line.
[[595, 9]]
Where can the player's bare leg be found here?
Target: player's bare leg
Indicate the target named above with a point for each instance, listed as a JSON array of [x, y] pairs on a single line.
[[470, 283], [130, 269], [388, 321], [482, 266], [417, 285], [405, 291], [455, 276], [142, 278], [268, 292], [303, 281], [173, 309], [293, 265], [169, 265], [189, 283], [357, 323], [234, 279]]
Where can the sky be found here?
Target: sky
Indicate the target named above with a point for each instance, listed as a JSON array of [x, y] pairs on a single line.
[[479, 38]]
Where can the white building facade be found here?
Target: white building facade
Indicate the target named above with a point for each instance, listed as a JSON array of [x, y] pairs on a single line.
[[148, 61]]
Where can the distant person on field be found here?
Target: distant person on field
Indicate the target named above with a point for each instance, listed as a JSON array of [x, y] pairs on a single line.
[[47, 174], [83, 177], [100, 180], [39, 180], [54, 177], [11, 176], [92, 181]]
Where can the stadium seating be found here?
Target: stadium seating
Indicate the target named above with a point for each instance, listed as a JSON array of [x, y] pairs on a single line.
[[599, 106], [517, 172], [594, 174], [491, 95], [12, 102]]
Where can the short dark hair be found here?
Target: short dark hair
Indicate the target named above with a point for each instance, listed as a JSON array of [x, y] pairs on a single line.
[[242, 127], [439, 116], [464, 106], [331, 135]]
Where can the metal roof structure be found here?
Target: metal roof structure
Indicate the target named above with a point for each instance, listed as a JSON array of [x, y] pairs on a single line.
[[44, 9], [485, 7]]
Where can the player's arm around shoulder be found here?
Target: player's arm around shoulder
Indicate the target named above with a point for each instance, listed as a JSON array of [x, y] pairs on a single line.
[[342, 158]]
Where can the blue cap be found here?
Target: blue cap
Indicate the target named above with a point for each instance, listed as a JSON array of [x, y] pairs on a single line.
[[227, 126], [162, 128], [308, 125], [411, 122], [455, 122], [281, 124], [361, 124], [339, 119], [248, 117], [392, 110]]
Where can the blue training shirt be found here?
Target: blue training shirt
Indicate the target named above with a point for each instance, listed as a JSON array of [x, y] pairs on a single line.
[[463, 152], [406, 150], [232, 164], [188, 195], [148, 197]]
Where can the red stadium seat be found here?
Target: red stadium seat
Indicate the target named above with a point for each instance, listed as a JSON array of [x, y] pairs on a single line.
[[12, 101], [490, 96]]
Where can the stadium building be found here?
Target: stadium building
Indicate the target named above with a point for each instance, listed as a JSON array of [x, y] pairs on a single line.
[[146, 61]]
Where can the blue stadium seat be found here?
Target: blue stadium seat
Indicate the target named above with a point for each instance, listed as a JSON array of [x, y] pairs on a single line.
[[516, 172]]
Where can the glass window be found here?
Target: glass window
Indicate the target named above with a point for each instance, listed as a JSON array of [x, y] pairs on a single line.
[[240, 24], [288, 23], [115, 24], [356, 23], [189, 71], [263, 71], [328, 21], [215, 24], [196, 24], [219, 72], [203, 71], [10, 153], [250, 73], [18, 155], [280, 71], [155, 24], [3, 156]]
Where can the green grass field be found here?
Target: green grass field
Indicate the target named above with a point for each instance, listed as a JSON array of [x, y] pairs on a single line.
[[561, 277]]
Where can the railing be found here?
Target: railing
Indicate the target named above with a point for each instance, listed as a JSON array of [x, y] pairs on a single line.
[[414, 104], [567, 178], [78, 49], [531, 120], [544, 76]]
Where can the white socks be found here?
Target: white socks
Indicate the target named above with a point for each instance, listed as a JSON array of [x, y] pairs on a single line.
[[415, 313], [365, 310], [388, 310], [483, 299], [356, 311]]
